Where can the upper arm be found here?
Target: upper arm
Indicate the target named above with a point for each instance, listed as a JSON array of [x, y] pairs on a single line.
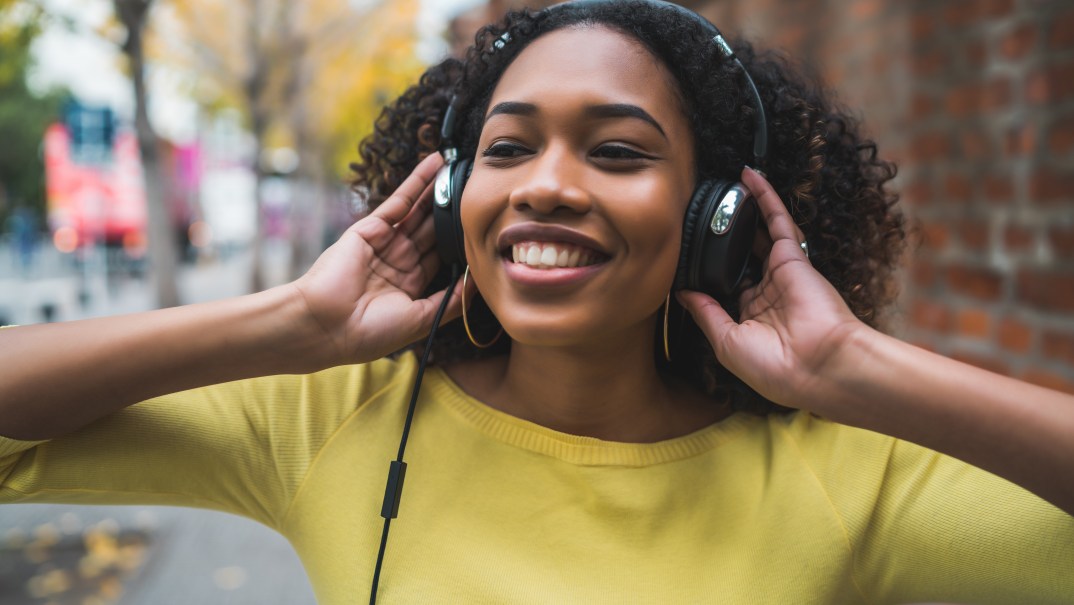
[[925, 527], [943, 530], [242, 447]]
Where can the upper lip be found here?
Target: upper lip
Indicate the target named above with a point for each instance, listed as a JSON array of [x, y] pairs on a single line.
[[543, 232]]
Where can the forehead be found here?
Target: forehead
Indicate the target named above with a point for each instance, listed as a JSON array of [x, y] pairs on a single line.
[[590, 64]]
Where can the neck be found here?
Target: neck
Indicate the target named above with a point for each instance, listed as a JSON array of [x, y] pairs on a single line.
[[609, 389]]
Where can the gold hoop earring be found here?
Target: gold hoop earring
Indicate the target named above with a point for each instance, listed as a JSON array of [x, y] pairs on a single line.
[[667, 349], [466, 321]]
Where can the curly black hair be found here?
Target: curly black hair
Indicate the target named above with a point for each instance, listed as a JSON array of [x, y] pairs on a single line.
[[829, 175]]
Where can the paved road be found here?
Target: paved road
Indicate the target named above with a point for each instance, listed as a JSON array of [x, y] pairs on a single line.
[[157, 555]]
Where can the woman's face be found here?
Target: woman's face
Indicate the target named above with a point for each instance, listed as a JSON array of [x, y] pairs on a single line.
[[573, 212]]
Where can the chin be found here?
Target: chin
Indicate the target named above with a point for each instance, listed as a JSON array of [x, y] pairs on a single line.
[[544, 333], [566, 328]]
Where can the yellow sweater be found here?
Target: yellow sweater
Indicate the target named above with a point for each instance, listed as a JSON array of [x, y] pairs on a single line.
[[785, 509]]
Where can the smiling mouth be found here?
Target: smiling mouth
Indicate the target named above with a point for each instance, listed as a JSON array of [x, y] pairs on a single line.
[[552, 255]]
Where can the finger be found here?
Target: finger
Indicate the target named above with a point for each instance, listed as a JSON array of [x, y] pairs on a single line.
[[398, 205], [374, 232], [432, 304], [754, 302], [401, 254], [762, 243], [454, 309], [779, 221], [424, 237], [429, 265], [389, 275], [381, 236], [404, 253], [419, 212], [709, 316]]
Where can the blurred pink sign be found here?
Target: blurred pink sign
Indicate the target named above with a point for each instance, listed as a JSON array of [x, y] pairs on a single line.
[[100, 202]]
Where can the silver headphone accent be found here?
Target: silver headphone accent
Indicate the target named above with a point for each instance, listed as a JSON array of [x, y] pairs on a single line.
[[725, 212]]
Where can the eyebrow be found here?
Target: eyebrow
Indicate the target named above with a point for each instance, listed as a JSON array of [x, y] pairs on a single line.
[[611, 110], [512, 108], [624, 110]]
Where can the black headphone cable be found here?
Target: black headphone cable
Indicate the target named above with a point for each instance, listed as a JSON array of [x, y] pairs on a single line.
[[393, 490]]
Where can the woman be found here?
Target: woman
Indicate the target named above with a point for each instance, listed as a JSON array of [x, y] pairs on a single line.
[[574, 463]]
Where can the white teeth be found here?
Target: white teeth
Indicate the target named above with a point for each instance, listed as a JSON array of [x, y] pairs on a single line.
[[533, 256], [548, 256]]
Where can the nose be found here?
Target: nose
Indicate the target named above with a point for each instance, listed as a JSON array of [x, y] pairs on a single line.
[[553, 183]]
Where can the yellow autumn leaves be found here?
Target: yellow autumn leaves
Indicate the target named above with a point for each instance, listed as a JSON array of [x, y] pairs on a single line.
[[309, 76]]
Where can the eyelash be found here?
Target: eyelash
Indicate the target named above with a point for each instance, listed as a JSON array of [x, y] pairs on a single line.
[[607, 152], [503, 151], [619, 152]]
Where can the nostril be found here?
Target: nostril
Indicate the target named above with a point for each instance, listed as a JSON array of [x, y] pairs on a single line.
[[548, 200]]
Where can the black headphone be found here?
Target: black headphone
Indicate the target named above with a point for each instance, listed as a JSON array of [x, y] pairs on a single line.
[[720, 220]]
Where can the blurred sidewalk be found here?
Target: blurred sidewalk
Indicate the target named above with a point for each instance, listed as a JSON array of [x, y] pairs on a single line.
[[104, 555], [180, 557], [57, 288]]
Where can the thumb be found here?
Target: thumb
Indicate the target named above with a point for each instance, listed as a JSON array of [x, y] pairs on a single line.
[[709, 316], [431, 305]]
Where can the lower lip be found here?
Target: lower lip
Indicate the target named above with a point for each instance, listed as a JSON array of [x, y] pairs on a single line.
[[561, 276]]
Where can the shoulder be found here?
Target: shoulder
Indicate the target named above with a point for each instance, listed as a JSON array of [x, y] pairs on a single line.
[[338, 391], [892, 493], [852, 463], [277, 406], [828, 446], [869, 476]]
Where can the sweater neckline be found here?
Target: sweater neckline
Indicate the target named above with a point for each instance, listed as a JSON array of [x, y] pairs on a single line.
[[578, 449]]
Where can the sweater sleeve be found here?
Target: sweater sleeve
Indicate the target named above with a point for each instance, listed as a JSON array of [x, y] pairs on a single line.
[[925, 527], [242, 447]]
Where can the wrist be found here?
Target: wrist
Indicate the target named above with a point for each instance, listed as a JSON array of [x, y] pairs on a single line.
[[837, 381], [302, 344]]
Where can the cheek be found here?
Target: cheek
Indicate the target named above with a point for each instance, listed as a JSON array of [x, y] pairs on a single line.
[[478, 210], [653, 224], [661, 245]]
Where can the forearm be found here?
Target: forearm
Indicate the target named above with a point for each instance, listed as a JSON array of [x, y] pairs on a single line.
[[1016, 430], [55, 378]]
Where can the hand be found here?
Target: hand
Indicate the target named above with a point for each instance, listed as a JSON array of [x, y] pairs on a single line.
[[792, 323], [364, 291]]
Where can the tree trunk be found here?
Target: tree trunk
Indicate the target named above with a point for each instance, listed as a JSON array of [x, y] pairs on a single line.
[[257, 245], [254, 87], [308, 206], [161, 236]]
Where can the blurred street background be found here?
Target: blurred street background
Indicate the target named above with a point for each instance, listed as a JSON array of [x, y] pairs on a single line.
[[164, 152]]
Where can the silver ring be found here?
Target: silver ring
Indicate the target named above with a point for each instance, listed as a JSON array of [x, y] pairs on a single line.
[[804, 247]]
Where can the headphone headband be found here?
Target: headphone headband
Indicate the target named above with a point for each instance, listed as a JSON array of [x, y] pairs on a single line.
[[760, 121]]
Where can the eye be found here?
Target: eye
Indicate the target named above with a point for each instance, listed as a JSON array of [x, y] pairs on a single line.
[[620, 154], [504, 150]]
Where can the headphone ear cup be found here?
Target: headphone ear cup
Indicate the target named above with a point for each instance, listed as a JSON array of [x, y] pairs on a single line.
[[684, 274], [713, 259], [459, 176], [447, 222]]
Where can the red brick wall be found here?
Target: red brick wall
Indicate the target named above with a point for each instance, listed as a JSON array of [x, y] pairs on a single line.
[[975, 101]]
